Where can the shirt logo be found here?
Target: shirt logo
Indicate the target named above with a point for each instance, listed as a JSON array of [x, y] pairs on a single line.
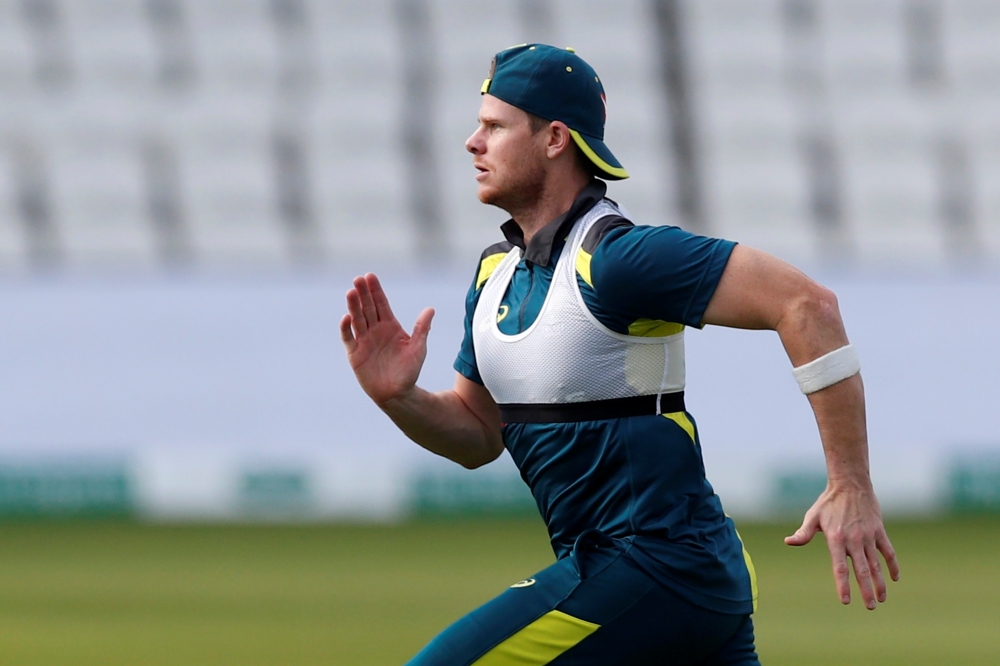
[[502, 314], [528, 582]]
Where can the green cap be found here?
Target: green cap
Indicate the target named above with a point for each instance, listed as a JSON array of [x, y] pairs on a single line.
[[557, 84]]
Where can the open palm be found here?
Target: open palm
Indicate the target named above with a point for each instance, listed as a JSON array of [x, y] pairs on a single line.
[[385, 358]]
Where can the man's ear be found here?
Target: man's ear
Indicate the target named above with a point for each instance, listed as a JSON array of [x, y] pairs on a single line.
[[559, 139]]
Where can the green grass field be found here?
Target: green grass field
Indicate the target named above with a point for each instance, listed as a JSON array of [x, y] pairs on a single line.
[[127, 593]]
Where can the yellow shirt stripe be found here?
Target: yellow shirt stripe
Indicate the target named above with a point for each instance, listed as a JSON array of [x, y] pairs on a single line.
[[487, 266], [654, 328], [583, 266], [540, 642]]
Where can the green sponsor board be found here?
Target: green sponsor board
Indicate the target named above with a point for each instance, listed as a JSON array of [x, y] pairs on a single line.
[[470, 493], [278, 492], [795, 491], [974, 483], [64, 490]]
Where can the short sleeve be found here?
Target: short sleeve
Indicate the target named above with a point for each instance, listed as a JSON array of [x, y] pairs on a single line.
[[660, 273], [465, 363]]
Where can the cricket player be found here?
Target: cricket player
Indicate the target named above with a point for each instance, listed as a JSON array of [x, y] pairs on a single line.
[[573, 361]]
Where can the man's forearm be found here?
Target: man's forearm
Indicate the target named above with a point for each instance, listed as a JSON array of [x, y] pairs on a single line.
[[810, 327], [840, 416], [444, 424]]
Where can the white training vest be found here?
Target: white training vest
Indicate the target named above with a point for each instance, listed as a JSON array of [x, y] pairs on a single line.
[[566, 355]]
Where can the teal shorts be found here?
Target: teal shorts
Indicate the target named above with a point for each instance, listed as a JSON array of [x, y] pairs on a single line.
[[595, 607]]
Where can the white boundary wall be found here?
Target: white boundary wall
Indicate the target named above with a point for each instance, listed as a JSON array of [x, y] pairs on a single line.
[[193, 382]]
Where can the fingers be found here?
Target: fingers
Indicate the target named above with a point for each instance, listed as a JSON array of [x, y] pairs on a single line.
[[854, 532], [363, 303], [381, 302], [369, 302], [880, 544], [864, 555], [884, 547], [423, 326], [803, 535], [863, 573], [841, 570], [366, 300], [878, 577], [346, 335], [356, 313]]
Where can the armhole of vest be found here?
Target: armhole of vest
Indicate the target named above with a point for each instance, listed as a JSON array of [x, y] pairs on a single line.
[[600, 228], [490, 259]]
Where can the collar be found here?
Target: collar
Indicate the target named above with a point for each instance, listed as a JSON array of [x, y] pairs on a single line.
[[539, 249]]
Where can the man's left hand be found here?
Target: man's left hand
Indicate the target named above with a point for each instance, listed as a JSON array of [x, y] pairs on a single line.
[[851, 520]]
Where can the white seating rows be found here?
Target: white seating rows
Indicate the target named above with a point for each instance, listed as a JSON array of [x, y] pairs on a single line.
[[335, 85]]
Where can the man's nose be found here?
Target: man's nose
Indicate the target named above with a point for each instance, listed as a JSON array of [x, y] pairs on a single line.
[[474, 143]]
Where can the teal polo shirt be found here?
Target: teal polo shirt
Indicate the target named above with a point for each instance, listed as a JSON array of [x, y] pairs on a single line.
[[638, 479]]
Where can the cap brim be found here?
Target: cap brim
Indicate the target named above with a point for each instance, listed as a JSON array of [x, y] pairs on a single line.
[[597, 152]]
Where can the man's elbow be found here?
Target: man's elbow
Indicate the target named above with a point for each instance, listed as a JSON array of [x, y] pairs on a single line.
[[475, 459], [815, 304], [823, 304], [473, 463]]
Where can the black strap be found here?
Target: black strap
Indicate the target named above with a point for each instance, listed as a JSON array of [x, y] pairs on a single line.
[[596, 410]]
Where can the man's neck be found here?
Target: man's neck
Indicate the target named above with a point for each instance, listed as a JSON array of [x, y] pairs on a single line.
[[554, 200]]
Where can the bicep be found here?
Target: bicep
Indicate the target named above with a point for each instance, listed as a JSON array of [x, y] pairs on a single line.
[[758, 291], [755, 290]]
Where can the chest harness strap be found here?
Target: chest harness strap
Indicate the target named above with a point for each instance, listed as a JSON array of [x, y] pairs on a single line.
[[596, 410]]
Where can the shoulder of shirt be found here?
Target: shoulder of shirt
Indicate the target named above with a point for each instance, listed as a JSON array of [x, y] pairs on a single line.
[[490, 259], [600, 229], [594, 236]]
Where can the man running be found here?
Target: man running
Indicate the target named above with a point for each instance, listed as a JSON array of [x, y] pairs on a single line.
[[573, 361]]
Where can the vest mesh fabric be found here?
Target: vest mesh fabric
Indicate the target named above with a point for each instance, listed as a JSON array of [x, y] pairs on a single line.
[[567, 355]]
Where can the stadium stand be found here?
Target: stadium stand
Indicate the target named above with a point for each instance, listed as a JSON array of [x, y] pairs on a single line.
[[459, 46], [885, 135], [637, 117], [750, 127], [11, 236], [357, 128], [972, 54], [277, 132]]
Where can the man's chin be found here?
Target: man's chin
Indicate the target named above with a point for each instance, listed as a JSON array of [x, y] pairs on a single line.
[[488, 195]]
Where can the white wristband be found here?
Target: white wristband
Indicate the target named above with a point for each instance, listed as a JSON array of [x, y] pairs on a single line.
[[828, 369]]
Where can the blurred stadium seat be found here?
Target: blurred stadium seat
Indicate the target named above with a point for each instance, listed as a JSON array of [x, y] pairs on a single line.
[[973, 56], [356, 123], [12, 252], [464, 53], [274, 132], [751, 141]]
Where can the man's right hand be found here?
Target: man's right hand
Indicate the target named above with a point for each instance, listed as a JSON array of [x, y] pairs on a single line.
[[385, 359], [462, 424]]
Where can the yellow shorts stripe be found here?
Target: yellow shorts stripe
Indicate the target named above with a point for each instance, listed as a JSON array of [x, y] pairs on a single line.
[[681, 419], [540, 642], [750, 570]]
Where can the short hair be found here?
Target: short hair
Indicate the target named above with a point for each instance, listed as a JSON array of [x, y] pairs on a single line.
[[537, 124]]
